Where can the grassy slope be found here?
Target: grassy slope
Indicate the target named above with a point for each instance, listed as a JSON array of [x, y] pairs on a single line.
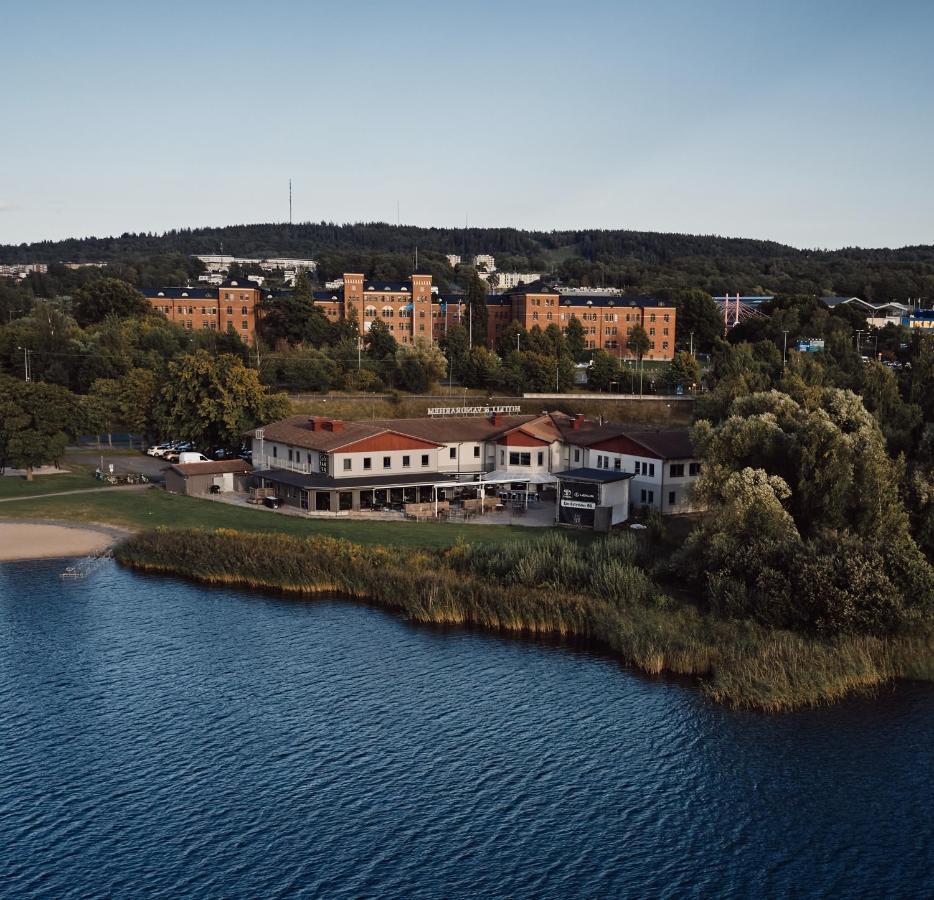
[[15, 486], [153, 508]]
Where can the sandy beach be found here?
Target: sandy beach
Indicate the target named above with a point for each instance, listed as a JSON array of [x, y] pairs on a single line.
[[42, 540]]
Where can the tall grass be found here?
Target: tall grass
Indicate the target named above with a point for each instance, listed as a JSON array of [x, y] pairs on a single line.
[[596, 592]]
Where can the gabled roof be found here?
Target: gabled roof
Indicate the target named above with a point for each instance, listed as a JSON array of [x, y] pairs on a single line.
[[672, 443]]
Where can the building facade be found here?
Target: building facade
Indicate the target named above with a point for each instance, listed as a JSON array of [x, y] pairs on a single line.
[[324, 464], [231, 307], [412, 311], [607, 317]]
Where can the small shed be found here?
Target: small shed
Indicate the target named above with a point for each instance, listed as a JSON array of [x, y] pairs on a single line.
[[592, 498], [200, 478]]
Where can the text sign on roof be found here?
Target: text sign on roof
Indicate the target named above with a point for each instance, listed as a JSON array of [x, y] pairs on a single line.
[[473, 410]]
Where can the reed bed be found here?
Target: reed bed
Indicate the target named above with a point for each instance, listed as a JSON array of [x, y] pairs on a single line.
[[551, 586]]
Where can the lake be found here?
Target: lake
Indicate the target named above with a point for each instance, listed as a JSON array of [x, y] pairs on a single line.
[[166, 739]]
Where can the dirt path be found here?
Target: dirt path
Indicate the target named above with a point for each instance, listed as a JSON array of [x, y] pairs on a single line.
[[121, 487]]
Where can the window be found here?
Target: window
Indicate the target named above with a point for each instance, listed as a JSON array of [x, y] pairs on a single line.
[[648, 496], [424, 459], [275, 451], [617, 464], [676, 470], [694, 469], [541, 457], [229, 310], [290, 454], [671, 498], [519, 459], [577, 455], [244, 310], [347, 465], [244, 325], [309, 459], [387, 462], [476, 452], [452, 453], [406, 461], [651, 470], [367, 463]]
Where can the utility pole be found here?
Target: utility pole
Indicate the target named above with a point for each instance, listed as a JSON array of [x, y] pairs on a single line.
[[784, 350], [692, 343], [557, 370], [290, 202], [858, 350], [470, 326], [359, 349]]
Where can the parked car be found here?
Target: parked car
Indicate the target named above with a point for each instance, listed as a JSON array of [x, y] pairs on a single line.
[[159, 449], [272, 502], [173, 455]]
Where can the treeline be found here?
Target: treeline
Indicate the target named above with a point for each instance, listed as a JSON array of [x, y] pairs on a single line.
[[631, 260]]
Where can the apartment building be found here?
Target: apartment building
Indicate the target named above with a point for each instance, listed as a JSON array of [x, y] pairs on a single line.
[[325, 464], [230, 306], [607, 317], [411, 310]]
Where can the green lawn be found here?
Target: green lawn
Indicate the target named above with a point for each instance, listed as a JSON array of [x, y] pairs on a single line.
[[154, 507], [16, 486]]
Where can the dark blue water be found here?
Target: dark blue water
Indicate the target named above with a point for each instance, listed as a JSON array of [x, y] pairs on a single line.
[[162, 739]]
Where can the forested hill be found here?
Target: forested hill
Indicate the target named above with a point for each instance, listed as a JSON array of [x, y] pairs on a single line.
[[634, 260]]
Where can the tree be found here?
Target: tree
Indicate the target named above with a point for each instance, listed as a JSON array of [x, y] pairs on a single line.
[[420, 366], [456, 348], [823, 456], [481, 369], [105, 297], [380, 344], [513, 337], [683, 370], [213, 402], [639, 342], [574, 339], [36, 423], [697, 312], [294, 318], [603, 371]]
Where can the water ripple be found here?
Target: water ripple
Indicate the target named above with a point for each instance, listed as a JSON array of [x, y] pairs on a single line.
[[158, 738]]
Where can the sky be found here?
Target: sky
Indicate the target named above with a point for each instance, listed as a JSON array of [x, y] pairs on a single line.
[[808, 123]]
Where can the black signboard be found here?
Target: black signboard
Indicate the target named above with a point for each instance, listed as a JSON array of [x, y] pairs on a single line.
[[577, 503]]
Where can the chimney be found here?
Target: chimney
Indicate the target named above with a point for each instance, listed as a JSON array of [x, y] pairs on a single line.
[[577, 421], [313, 423], [494, 418], [335, 425]]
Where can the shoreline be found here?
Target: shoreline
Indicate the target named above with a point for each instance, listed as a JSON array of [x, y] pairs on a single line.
[[27, 539], [737, 663]]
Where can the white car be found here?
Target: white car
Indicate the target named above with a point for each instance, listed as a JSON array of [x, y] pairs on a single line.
[[159, 449]]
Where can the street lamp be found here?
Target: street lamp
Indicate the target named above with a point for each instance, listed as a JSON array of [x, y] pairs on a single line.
[[692, 343], [26, 355]]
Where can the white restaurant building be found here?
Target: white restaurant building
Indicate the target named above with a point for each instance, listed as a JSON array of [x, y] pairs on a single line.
[[323, 464]]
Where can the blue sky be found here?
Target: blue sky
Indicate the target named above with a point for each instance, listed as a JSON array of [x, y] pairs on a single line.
[[809, 123]]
